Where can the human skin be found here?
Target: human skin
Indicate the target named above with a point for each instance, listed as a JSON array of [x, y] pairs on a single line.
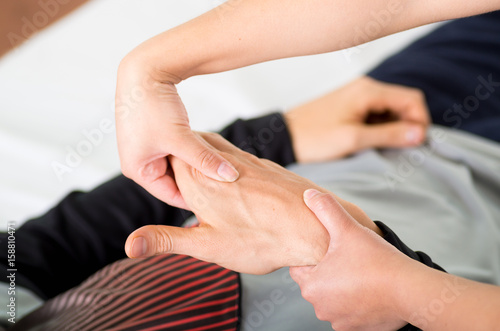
[[331, 120], [256, 225], [338, 120], [151, 120], [364, 283]]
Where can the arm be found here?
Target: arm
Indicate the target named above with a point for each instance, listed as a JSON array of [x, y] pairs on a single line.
[[236, 34], [465, 94], [241, 32], [267, 192], [255, 225], [362, 273], [439, 301], [86, 231], [120, 206], [344, 120]]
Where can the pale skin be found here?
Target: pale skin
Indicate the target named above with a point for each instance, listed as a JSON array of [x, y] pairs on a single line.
[[152, 122], [354, 291], [384, 296], [337, 120], [262, 211]]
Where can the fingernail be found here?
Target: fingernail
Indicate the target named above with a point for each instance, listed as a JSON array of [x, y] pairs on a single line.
[[227, 172], [310, 193], [413, 135], [139, 247]]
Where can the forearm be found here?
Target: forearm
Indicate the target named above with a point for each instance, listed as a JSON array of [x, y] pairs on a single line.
[[87, 231], [433, 300], [244, 32]]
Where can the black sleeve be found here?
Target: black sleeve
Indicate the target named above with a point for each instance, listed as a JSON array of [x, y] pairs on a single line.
[[457, 67], [394, 240], [87, 231], [266, 137]]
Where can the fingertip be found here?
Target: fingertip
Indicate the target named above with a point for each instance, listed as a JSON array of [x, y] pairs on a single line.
[[415, 135], [136, 246], [309, 194], [139, 247], [324, 206], [227, 172]]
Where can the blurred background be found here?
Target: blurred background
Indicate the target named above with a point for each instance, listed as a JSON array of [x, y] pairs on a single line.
[[57, 85]]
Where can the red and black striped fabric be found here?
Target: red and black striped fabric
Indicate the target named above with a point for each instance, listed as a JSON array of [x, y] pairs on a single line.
[[164, 292]]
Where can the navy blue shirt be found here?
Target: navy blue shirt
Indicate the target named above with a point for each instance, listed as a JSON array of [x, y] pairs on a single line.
[[457, 66]]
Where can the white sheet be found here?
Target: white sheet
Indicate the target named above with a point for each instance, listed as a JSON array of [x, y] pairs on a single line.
[[62, 82]]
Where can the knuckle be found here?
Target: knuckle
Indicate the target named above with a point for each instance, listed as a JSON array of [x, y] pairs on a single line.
[[212, 138], [208, 159], [307, 291], [214, 135], [320, 313], [162, 241], [296, 275]]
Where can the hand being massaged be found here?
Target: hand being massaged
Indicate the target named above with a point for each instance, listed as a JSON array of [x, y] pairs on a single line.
[[255, 225], [260, 222]]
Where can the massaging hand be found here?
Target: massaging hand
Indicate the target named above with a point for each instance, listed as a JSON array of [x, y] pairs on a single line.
[[152, 123], [351, 285], [151, 119], [255, 225], [335, 125], [364, 283]]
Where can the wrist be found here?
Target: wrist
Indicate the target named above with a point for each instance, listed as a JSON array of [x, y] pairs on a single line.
[[415, 287], [142, 66]]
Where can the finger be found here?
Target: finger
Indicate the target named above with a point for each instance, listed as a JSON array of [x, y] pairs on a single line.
[[200, 155], [157, 178], [165, 188], [151, 240], [219, 142], [300, 274], [408, 103], [328, 210], [394, 134]]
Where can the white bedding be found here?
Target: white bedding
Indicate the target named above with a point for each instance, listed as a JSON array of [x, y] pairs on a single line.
[[61, 82]]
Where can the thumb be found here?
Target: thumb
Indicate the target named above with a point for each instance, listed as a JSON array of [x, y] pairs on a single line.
[[201, 155], [151, 240], [394, 134], [327, 209]]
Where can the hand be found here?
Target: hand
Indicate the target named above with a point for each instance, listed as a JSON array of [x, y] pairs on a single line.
[[351, 287], [255, 225], [335, 125], [152, 123]]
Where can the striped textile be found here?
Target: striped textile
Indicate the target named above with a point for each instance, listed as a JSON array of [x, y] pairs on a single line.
[[164, 292]]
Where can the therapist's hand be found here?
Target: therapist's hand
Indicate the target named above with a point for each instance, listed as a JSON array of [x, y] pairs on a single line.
[[152, 123], [362, 114], [353, 285], [255, 225]]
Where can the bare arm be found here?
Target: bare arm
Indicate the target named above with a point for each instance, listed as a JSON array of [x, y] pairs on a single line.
[[152, 122], [433, 300], [365, 283], [244, 32]]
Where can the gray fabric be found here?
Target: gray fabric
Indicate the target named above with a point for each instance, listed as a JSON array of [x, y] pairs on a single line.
[[442, 198]]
